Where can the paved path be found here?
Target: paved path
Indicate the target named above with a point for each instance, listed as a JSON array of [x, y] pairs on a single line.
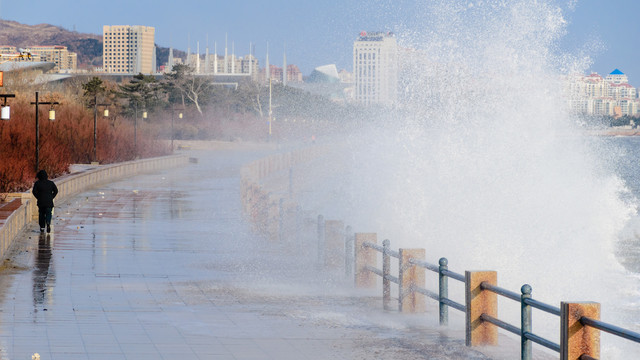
[[163, 266]]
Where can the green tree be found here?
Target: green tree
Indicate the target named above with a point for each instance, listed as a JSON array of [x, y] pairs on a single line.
[[92, 89], [143, 91]]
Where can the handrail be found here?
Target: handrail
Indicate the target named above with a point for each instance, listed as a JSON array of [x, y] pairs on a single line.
[[424, 264], [500, 291], [454, 305], [542, 306], [501, 324], [375, 270], [542, 341], [453, 275], [382, 275], [428, 293], [395, 254], [527, 303], [373, 246], [611, 329]]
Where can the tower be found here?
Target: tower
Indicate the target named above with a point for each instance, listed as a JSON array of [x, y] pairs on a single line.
[[284, 66], [267, 66], [375, 68]]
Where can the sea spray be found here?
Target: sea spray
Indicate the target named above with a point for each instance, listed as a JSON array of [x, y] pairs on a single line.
[[483, 164]]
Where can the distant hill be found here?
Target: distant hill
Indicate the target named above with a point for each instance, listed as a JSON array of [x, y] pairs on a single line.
[[87, 46]]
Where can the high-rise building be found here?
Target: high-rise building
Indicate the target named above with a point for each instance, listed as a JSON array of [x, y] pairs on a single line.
[[375, 68], [128, 49]]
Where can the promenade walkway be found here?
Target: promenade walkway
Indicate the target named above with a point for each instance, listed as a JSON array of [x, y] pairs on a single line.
[[164, 266]]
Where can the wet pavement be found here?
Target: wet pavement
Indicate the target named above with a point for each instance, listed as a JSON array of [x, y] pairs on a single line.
[[163, 266]]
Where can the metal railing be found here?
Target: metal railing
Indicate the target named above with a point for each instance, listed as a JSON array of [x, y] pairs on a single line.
[[527, 303]]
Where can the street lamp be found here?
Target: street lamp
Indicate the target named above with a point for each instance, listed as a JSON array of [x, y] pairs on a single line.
[[95, 125], [270, 111], [5, 112], [173, 110], [52, 117]]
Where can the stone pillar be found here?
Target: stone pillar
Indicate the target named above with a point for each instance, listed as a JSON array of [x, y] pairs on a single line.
[[410, 277], [577, 339], [478, 301], [365, 256]]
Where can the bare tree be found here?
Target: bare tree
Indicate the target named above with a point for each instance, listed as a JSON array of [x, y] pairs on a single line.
[[189, 85]]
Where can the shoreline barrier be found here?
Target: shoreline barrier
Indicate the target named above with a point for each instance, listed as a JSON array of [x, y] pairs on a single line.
[[360, 253], [268, 190], [75, 183]]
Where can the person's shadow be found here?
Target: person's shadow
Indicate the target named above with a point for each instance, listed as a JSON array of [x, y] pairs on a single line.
[[43, 270]]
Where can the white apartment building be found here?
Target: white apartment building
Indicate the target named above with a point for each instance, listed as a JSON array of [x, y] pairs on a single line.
[[128, 49], [594, 95], [375, 68], [65, 60]]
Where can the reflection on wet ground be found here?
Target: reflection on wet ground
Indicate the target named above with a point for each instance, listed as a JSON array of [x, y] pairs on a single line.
[[163, 266], [43, 277]]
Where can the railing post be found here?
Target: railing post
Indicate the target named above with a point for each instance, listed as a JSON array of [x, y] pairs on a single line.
[[386, 271], [526, 325], [480, 302], [365, 256], [334, 244], [348, 247], [443, 291], [411, 276], [320, 239], [577, 339]]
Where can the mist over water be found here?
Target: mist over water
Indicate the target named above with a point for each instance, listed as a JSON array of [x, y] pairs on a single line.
[[483, 164]]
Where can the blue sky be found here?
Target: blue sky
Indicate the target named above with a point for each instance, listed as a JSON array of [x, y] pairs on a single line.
[[318, 32]]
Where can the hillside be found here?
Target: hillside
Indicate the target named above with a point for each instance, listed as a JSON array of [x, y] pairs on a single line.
[[87, 46]]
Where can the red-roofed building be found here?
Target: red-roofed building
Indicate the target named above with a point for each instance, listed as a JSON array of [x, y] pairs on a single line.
[[594, 95]]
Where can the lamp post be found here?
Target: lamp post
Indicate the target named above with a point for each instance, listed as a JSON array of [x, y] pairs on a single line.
[[173, 110], [95, 126], [52, 116], [5, 112], [135, 128], [270, 111], [135, 133]]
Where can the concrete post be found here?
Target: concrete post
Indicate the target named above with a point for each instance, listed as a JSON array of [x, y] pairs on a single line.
[[480, 302], [365, 256], [334, 244], [576, 339], [410, 277]]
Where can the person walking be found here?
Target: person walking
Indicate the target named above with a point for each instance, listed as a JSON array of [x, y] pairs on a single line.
[[44, 191]]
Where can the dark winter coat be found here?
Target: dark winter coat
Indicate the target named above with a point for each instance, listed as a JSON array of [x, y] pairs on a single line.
[[44, 190]]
